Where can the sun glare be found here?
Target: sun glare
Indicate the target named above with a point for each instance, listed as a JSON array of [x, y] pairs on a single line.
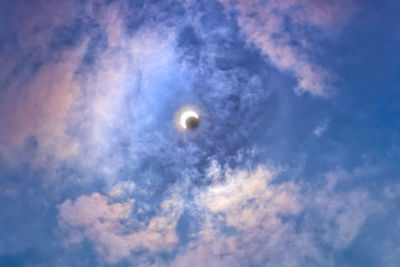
[[187, 115]]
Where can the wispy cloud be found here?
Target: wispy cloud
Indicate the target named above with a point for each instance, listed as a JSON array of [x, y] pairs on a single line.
[[40, 109], [280, 28]]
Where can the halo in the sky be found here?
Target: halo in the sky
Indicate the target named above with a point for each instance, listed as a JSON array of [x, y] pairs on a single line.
[[189, 119]]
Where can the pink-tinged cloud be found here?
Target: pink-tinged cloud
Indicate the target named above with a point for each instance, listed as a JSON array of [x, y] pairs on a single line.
[[263, 213], [263, 23], [34, 21], [329, 14], [258, 209], [47, 103], [40, 107], [100, 219]]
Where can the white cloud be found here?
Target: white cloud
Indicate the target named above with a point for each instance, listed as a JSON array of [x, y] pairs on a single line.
[[320, 129]]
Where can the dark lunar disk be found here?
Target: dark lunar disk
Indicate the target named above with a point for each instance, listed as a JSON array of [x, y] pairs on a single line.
[[192, 123]]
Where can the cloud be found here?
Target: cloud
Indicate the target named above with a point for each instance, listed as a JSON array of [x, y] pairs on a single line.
[[321, 128], [122, 189], [250, 219], [103, 90], [40, 109], [266, 24], [66, 106], [244, 197], [97, 218], [92, 89]]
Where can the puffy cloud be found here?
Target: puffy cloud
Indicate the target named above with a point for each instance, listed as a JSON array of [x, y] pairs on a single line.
[[122, 189], [277, 223], [265, 24], [98, 219], [246, 199], [247, 217]]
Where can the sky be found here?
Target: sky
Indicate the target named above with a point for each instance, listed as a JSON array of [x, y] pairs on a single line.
[[294, 162]]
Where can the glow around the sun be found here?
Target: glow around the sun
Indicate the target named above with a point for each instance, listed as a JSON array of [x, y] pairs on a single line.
[[186, 115]]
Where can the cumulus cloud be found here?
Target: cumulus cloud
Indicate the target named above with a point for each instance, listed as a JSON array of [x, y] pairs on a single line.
[[122, 189], [266, 25], [100, 220], [285, 224], [247, 212]]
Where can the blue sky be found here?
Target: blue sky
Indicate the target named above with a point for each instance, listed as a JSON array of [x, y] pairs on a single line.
[[294, 162]]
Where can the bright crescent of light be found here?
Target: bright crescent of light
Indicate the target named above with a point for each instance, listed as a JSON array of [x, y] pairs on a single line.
[[186, 115]]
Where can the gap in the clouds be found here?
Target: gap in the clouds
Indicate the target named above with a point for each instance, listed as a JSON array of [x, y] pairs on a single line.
[[363, 125], [191, 44], [69, 35], [364, 250], [151, 12], [188, 224], [25, 70], [21, 258], [28, 222], [97, 44]]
